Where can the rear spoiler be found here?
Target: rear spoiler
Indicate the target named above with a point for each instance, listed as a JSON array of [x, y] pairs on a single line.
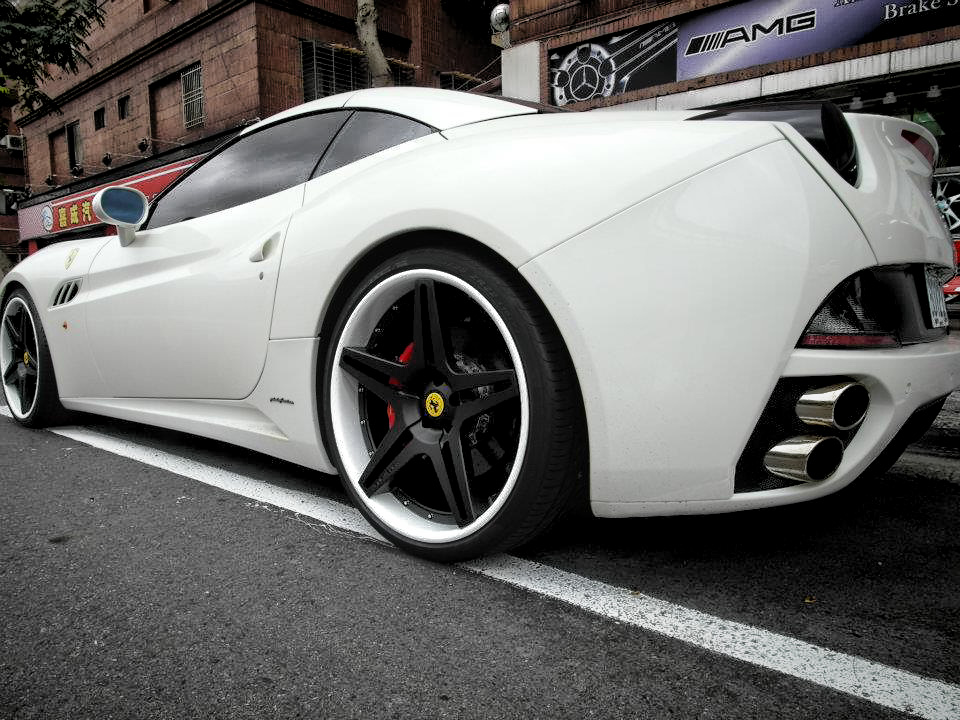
[[820, 123]]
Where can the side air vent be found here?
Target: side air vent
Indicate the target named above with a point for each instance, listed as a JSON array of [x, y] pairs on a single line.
[[66, 292]]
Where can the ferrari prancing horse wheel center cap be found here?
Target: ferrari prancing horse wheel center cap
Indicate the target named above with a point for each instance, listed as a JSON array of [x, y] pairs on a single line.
[[434, 404], [26, 358]]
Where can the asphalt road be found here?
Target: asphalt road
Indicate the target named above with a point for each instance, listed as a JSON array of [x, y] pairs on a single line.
[[129, 591]]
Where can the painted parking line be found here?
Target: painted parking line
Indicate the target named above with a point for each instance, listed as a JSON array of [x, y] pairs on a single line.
[[877, 683]]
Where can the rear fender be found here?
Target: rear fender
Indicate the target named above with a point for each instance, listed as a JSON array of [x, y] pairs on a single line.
[[519, 186]]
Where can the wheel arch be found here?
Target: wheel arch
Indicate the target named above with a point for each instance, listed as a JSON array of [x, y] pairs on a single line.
[[9, 289], [391, 247]]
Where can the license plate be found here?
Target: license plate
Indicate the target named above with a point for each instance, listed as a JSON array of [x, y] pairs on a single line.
[[938, 303]]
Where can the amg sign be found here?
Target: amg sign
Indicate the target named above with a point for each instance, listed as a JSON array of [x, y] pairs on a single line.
[[783, 25], [730, 37]]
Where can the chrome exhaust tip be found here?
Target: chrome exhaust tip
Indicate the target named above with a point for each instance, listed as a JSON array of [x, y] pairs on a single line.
[[841, 407], [807, 458]]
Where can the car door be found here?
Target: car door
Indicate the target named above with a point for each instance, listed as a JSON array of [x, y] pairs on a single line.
[[184, 311]]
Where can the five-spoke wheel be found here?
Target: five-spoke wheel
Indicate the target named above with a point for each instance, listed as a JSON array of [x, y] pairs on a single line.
[[28, 383], [433, 384]]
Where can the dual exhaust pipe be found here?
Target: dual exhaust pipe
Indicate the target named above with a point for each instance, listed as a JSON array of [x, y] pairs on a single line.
[[811, 458]]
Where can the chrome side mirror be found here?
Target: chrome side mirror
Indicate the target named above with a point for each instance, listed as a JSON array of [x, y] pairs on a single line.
[[123, 207]]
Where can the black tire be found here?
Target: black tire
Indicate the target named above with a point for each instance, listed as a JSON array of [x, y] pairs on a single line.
[[553, 457], [25, 362]]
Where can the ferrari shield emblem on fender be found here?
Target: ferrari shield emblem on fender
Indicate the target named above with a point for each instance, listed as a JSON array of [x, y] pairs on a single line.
[[70, 258], [434, 404]]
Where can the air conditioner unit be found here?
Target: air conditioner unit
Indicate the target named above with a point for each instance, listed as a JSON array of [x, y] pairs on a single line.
[[12, 142]]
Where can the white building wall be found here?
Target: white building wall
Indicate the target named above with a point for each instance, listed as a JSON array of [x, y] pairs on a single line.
[[520, 68]]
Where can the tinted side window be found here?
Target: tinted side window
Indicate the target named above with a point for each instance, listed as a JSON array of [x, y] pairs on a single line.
[[367, 133], [254, 166]]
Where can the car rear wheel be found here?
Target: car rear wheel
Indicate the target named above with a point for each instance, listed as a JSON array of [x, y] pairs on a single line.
[[451, 410], [29, 385]]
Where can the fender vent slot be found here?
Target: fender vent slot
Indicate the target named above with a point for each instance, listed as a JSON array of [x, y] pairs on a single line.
[[66, 292]]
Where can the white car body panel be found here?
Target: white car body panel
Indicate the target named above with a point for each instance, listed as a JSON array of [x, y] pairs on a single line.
[[450, 185], [649, 372], [899, 381], [283, 424], [442, 111], [184, 311], [65, 327], [892, 200], [680, 260]]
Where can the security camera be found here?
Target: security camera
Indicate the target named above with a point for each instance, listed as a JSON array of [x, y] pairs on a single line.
[[500, 17]]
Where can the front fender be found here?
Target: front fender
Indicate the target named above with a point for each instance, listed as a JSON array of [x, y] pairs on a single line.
[[41, 275]]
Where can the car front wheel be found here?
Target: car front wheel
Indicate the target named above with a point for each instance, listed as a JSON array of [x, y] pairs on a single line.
[[29, 385]]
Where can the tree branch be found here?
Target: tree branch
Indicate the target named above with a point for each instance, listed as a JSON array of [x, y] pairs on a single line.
[[380, 74]]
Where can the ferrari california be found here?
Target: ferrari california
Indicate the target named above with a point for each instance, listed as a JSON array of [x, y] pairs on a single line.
[[480, 314]]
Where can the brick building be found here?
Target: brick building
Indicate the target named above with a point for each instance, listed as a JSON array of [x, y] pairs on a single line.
[[11, 180], [169, 79]]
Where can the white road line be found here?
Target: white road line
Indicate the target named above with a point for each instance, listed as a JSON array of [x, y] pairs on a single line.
[[849, 674]]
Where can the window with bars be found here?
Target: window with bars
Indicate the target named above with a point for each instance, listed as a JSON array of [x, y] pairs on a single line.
[[329, 69], [191, 92]]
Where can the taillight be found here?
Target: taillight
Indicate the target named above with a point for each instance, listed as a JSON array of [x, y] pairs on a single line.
[[854, 316], [923, 145]]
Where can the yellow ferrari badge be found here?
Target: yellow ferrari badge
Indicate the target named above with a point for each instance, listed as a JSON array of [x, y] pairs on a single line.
[[26, 358], [434, 404], [70, 258]]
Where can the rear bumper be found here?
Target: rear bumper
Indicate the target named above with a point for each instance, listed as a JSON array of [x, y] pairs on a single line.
[[901, 381]]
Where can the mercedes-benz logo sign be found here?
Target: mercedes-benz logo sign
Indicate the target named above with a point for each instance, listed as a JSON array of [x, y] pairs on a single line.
[[581, 75]]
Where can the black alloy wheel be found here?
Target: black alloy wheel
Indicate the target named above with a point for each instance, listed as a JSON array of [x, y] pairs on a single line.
[[29, 385], [451, 407]]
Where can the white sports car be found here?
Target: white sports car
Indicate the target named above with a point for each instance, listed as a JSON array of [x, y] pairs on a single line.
[[478, 312]]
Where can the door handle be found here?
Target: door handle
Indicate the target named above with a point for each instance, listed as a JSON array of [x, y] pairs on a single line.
[[262, 251]]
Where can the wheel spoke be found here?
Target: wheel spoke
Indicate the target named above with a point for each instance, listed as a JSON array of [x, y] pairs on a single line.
[[472, 408], [30, 389], [15, 337], [23, 326], [10, 373], [451, 467], [22, 390], [373, 373], [375, 366], [472, 381], [397, 448], [428, 347], [30, 342]]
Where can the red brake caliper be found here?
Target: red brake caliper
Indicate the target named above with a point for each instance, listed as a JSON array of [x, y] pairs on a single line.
[[404, 358]]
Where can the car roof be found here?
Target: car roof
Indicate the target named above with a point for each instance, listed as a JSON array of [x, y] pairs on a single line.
[[442, 109]]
